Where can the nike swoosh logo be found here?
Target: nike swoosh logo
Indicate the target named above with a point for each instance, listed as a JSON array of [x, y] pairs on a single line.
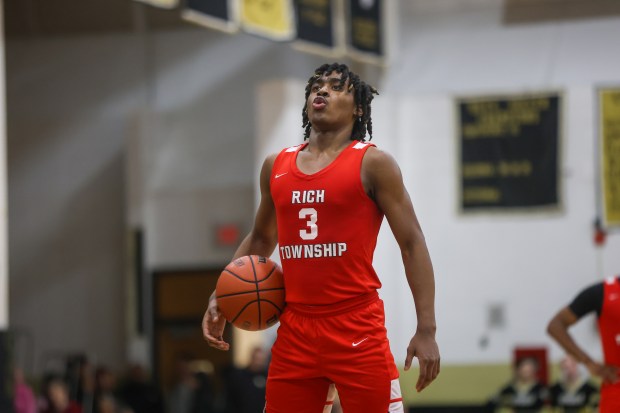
[[359, 342], [279, 175]]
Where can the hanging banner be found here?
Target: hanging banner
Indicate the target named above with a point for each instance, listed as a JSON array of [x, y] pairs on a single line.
[[214, 14], [273, 19], [366, 29], [163, 4], [509, 152], [319, 26], [609, 127]]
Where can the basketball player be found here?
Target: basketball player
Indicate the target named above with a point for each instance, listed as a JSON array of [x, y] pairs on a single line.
[[323, 202], [604, 299]]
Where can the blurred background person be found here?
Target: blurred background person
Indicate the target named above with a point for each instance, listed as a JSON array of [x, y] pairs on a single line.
[[180, 395], [24, 400], [105, 398], [573, 392], [140, 393], [109, 404], [202, 395], [80, 380], [58, 398], [246, 387], [524, 393]]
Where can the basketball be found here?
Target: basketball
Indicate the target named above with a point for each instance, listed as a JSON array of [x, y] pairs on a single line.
[[250, 293]]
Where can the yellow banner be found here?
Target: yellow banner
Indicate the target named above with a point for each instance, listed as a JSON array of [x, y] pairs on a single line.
[[273, 19], [164, 4], [610, 154]]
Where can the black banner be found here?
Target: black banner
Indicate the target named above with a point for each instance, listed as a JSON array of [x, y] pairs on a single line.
[[365, 33], [509, 152], [216, 14], [315, 22]]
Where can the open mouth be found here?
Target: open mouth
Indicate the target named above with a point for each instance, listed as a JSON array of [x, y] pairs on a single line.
[[319, 103]]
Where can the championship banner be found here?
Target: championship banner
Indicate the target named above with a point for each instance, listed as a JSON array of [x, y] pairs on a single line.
[[214, 14], [319, 26], [163, 4], [509, 152], [273, 19], [366, 30], [609, 127]]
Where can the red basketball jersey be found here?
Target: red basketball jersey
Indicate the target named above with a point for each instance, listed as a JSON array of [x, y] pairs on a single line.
[[327, 228], [609, 327]]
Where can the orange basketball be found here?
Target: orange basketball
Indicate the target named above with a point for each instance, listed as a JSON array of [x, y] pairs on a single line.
[[250, 292]]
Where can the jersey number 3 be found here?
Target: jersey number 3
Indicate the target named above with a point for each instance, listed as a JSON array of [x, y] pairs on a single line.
[[310, 216]]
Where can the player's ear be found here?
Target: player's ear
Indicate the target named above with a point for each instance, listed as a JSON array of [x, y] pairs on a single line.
[[358, 112]]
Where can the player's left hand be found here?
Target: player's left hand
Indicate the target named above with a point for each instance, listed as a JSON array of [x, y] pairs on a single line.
[[424, 347]]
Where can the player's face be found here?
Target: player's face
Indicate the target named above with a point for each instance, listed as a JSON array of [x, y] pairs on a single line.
[[331, 104]]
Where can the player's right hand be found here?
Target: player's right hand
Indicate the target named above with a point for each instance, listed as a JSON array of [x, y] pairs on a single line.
[[213, 324], [609, 374]]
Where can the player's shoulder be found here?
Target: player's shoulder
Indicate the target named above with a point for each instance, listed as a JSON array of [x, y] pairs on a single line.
[[270, 159], [292, 149], [377, 160], [268, 164]]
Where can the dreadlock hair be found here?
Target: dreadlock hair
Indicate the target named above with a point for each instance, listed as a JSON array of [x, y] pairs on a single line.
[[362, 92]]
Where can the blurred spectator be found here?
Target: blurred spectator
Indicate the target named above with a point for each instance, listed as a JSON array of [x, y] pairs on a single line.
[[180, 396], [192, 391], [246, 387], [57, 396], [573, 393], [24, 399], [139, 393], [105, 399], [108, 404], [80, 381], [524, 393], [202, 400]]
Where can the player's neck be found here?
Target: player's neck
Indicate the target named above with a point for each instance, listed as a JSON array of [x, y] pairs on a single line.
[[329, 140]]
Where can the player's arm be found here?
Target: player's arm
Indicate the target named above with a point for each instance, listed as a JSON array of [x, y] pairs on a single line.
[[261, 240], [558, 329], [383, 181], [587, 301]]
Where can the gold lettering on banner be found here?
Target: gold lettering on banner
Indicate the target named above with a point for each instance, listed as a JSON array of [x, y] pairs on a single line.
[[494, 121], [475, 170], [316, 17], [365, 33], [475, 194], [514, 168], [315, 12], [504, 169], [315, 3]]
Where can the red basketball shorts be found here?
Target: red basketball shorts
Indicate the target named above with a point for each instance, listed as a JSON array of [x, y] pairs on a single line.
[[610, 399], [345, 344]]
